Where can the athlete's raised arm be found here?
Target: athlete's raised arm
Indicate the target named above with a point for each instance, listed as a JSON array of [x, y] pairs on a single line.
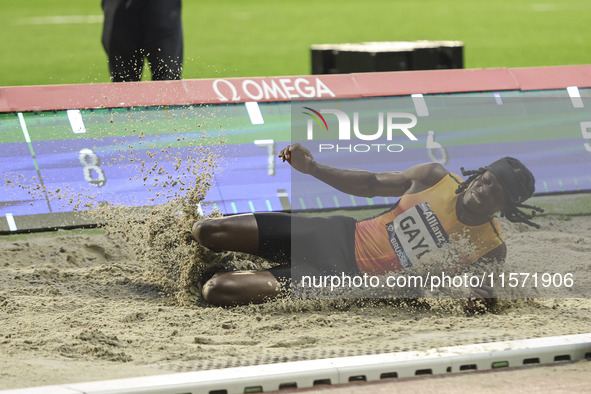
[[365, 183]]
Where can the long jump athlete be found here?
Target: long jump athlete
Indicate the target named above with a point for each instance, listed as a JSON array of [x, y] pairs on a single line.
[[435, 207]]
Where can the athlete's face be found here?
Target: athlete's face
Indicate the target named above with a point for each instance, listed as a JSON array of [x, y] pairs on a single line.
[[485, 195]]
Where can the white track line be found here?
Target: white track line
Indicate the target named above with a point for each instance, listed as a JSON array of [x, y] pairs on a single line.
[[76, 121], [498, 98], [23, 124], [11, 222], [575, 96], [61, 20], [420, 104], [342, 370], [254, 112]]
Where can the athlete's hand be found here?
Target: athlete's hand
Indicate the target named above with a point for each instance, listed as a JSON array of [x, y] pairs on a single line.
[[299, 157]]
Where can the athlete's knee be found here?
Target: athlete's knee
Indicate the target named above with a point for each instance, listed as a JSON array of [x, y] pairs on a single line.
[[237, 233], [197, 229], [221, 290], [241, 288], [207, 232]]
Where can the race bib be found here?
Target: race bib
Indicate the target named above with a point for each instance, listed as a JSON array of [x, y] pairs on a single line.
[[414, 233]]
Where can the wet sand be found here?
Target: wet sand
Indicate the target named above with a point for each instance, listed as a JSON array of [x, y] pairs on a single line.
[[80, 305]]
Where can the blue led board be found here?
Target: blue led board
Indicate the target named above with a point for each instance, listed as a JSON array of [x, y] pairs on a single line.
[[549, 131], [54, 162]]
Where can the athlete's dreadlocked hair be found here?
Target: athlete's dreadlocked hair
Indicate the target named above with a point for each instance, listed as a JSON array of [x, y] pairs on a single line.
[[525, 182], [473, 174]]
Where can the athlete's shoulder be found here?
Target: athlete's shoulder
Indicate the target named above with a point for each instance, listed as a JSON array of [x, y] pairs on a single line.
[[427, 174]]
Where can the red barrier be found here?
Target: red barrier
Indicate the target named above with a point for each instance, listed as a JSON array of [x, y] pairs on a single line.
[[553, 77], [210, 91], [436, 81]]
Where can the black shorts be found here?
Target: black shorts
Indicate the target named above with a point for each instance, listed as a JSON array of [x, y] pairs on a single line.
[[307, 245]]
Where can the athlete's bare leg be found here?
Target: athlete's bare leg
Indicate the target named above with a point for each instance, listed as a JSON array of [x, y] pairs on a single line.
[[237, 233], [241, 288]]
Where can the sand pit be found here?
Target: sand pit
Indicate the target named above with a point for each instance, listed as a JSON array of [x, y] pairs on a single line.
[[78, 306]]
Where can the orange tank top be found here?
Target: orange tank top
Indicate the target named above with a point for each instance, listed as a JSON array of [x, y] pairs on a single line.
[[420, 222]]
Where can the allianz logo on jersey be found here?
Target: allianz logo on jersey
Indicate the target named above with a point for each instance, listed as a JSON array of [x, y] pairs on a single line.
[[386, 123], [414, 233]]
